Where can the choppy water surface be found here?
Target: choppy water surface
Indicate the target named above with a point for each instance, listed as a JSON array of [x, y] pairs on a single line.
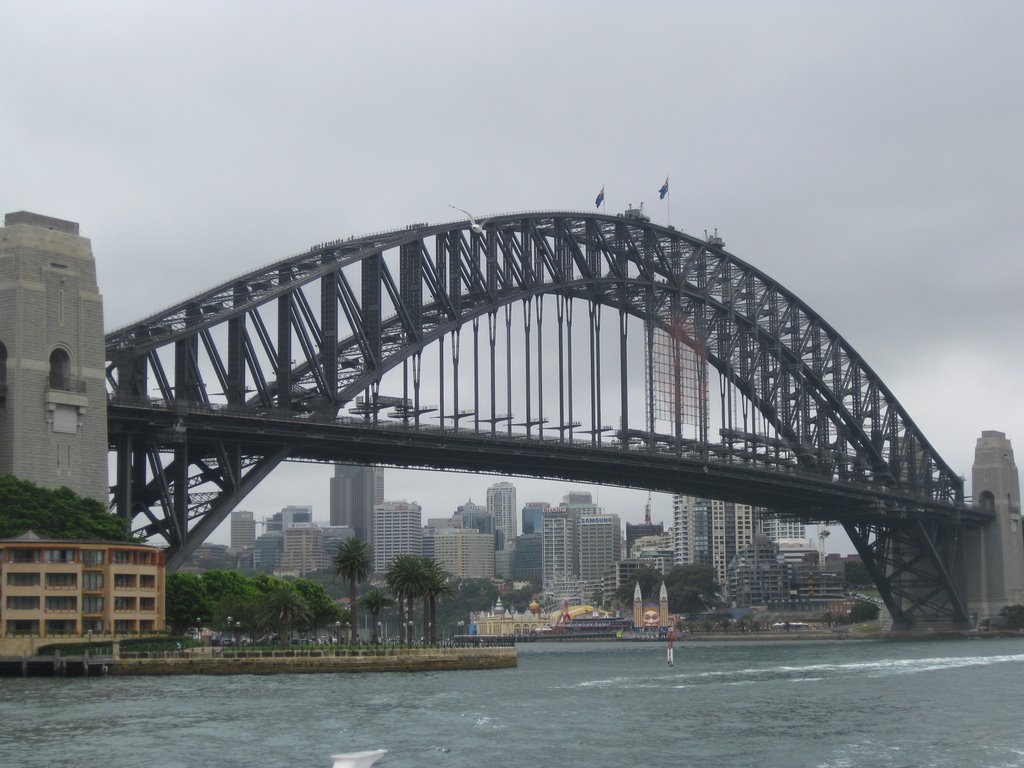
[[796, 703]]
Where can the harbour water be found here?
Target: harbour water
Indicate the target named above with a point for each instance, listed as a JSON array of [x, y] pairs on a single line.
[[829, 704]]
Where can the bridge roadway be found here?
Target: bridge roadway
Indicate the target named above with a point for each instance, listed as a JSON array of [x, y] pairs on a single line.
[[667, 466]]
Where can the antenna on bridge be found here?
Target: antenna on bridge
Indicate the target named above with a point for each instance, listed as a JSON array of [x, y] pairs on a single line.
[[647, 510]]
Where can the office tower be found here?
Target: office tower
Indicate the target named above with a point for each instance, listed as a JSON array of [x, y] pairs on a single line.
[[759, 575], [334, 537], [528, 563], [501, 502], [470, 515], [243, 530], [598, 547], [465, 554], [267, 554], [692, 530], [303, 551], [287, 517], [354, 492], [646, 528], [558, 547], [778, 528], [397, 530], [533, 516]]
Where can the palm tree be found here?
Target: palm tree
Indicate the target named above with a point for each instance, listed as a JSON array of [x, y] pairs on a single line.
[[281, 609], [353, 562], [435, 585], [375, 601], [404, 579]]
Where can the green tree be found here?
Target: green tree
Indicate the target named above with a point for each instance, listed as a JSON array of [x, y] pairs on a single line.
[[283, 609], [864, 612], [322, 610], [375, 601], [435, 585], [404, 579], [691, 588], [186, 600], [56, 514], [353, 562], [856, 575], [649, 579]]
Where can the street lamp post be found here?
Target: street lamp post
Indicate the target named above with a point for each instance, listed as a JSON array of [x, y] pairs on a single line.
[[380, 632], [430, 627], [337, 634], [88, 634], [231, 620], [460, 625], [238, 631], [409, 635]]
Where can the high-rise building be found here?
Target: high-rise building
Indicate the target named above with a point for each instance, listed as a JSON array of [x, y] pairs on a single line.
[[501, 502], [533, 516], [528, 563], [398, 530], [267, 555], [732, 529], [692, 530], [287, 517], [558, 552], [777, 528], [354, 492], [243, 530], [470, 515], [598, 547], [465, 554], [303, 549], [759, 575], [53, 397]]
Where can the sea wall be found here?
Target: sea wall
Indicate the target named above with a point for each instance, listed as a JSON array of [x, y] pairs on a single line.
[[391, 660]]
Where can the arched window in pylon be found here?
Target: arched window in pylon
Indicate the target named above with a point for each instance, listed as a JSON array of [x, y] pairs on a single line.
[[987, 501], [60, 369]]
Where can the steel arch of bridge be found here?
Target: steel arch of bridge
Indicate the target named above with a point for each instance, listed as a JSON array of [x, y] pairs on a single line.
[[289, 346]]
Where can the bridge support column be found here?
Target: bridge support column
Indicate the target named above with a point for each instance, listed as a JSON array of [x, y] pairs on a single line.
[[995, 553]]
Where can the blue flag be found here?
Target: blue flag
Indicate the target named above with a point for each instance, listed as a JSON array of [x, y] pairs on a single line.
[[664, 189], [600, 198]]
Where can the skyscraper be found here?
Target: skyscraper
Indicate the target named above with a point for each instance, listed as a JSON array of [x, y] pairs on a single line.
[[354, 492], [533, 516], [398, 530], [598, 547], [501, 502], [243, 530]]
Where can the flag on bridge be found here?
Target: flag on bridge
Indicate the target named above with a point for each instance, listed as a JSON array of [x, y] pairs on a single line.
[[664, 189], [600, 198]]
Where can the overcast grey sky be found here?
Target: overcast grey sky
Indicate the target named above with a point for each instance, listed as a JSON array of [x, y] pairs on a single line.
[[866, 155]]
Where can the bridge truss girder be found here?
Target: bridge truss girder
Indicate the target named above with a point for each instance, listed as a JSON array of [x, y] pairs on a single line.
[[381, 302]]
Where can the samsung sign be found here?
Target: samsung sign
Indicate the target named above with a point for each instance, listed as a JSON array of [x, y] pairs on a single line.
[[597, 520]]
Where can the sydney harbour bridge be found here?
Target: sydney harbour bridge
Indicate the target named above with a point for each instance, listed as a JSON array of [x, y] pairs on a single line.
[[579, 346]]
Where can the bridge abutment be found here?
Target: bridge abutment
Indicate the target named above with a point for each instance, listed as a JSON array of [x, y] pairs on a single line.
[[995, 552], [53, 402]]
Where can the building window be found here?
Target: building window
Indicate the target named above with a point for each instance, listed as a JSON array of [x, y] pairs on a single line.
[[124, 625], [60, 627], [62, 603], [22, 603], [121, 557], [96, 625], [60, 555], [92, 581], [92, 557], [22, 627], [147, 604], [60, 370], [61, 580], [92, 604], [24, 556], [22, 579], [124, 603], [124, 581], [147, 581]]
